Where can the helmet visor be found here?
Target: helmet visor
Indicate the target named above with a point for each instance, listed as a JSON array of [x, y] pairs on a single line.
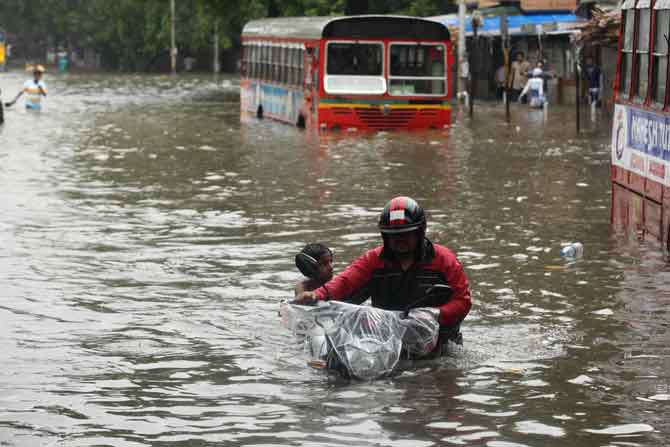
[[397, 229]]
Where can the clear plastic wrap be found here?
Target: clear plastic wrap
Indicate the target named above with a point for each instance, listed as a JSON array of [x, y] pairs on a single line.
[[422, 331], [360, 342]]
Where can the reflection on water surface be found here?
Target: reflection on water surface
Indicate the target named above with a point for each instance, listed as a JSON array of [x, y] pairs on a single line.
[[147, 238]]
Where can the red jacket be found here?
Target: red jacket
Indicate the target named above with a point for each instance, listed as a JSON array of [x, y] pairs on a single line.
[[392, 288]]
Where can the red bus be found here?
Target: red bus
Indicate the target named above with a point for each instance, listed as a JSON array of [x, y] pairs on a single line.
[[362, 72], [640, 167]]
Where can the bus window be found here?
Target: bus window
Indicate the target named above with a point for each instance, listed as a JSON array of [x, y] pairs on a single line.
[[267, 62], [256, 65], [301, 66], [354, 68], [627, 52], [279, 63], [417, 70], [275, 63], [284, 64], [296, 66], [354, 58], [291, 66], [642, 54], [245, 60], [660, 55], [249, 53]]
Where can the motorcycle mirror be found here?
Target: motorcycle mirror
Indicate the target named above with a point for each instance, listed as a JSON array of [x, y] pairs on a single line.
[[307, 265]]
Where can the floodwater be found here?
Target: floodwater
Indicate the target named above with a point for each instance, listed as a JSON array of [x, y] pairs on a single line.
[[147, 238]]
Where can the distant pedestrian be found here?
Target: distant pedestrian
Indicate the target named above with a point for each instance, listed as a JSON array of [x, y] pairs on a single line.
[[62, 60], [546, 75], [34, 89], [189, 61], [534, 90], [518, 75], [593, 76]]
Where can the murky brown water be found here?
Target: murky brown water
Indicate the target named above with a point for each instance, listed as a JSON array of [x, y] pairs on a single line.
[[146, 238]]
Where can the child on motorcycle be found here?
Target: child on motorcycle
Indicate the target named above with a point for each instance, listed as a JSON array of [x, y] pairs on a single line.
[[315, 261]]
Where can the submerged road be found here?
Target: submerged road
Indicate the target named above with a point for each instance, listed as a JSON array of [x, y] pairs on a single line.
[[147, 237]]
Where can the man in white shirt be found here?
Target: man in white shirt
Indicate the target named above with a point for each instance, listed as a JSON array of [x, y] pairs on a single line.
[[534, 88], [34, 89]]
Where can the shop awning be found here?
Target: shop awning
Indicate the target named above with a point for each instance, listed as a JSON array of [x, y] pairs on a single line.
[[519, 25]]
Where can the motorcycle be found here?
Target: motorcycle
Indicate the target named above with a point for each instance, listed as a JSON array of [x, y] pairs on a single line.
[[363, 342]]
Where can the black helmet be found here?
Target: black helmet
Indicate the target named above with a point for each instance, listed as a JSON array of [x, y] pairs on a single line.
[[400, 215]]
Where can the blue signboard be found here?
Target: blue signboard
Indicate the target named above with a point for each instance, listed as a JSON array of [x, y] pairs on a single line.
[[641, 143], [649, 133]]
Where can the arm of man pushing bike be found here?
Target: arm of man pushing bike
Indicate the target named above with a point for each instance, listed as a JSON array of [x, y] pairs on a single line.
[[360, 271], [353, 278]]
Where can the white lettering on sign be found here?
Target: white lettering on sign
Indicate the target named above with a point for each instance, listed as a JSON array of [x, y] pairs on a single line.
[[648, 134]]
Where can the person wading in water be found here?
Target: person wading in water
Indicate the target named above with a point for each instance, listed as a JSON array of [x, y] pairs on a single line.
[[400, 272]]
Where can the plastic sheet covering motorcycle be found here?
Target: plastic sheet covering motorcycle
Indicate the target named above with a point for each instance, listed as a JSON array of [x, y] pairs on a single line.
[[360, 342]]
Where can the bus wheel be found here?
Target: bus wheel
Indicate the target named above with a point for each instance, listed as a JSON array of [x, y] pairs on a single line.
[[301, 122], [259, 112]]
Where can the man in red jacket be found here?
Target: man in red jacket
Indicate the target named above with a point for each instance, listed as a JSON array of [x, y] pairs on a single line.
[[400, 272]]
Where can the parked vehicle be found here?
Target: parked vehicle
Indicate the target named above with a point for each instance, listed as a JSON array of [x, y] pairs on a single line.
[[640, 166], [363, 72]]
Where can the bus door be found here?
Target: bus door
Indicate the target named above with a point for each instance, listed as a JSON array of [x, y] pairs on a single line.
[[312, 80]]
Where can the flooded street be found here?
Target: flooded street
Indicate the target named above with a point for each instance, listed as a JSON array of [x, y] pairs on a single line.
[[147, 238]]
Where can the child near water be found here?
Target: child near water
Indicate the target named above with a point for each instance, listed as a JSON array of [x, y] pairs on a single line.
[[315, 261]]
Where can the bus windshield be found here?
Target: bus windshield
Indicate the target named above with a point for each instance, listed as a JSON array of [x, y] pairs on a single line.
[[354, 58], [417, 69], [355, 68]]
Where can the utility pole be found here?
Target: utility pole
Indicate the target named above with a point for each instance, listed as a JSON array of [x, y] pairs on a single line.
[[462, 57], [504, 33], [173, 47], [477, 20], [577, 92], [217, 67]]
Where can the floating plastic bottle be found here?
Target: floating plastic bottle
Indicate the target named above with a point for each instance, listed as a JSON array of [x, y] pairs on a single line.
[[574, 250]]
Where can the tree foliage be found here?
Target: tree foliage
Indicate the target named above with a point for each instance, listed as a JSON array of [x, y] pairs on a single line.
[[131, 35]]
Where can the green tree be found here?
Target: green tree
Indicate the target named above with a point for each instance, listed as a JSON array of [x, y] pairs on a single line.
[[134, 35]]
